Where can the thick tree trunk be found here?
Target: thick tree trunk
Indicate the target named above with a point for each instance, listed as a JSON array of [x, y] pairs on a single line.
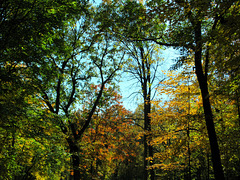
[[152, 173], [146, 147], [75, 159], [145, 155], [147, 127], [148, 152], [150, 148], [202, 80]]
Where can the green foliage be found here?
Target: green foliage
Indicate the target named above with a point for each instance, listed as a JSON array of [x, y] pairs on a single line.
[[128, 20], [28, 29], [52, 55], [32, 146]]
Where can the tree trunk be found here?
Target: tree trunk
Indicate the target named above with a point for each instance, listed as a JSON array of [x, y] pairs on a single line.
[[146, 147], [152, 173], [202, 80], [145, 154], [150, 148], [75, 159], [147, 127]]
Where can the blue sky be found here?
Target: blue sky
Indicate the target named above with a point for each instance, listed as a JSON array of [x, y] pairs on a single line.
[[129, 87]]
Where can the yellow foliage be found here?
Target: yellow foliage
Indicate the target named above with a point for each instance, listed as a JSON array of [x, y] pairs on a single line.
[[173, 119]]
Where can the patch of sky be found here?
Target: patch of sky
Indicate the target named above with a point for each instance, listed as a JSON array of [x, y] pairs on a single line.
[[130, 88]]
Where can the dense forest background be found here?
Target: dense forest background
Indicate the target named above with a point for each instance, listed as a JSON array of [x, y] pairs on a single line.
[[62, 117]]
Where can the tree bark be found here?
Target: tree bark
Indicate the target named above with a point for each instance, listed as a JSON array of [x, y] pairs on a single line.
[[145, 154], [146, 90], [75, 159], [148, 149], [202, 80]]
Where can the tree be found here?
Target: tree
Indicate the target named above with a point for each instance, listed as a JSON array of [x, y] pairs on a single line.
[[56, 61], [52, 55], [64, 78], [31, 143], [109, 143], [196, 22], [129, 21], [25, 27], [226, 42], [179, 134], [144, 69]]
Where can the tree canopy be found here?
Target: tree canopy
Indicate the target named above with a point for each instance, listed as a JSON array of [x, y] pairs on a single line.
[[62, 113]]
